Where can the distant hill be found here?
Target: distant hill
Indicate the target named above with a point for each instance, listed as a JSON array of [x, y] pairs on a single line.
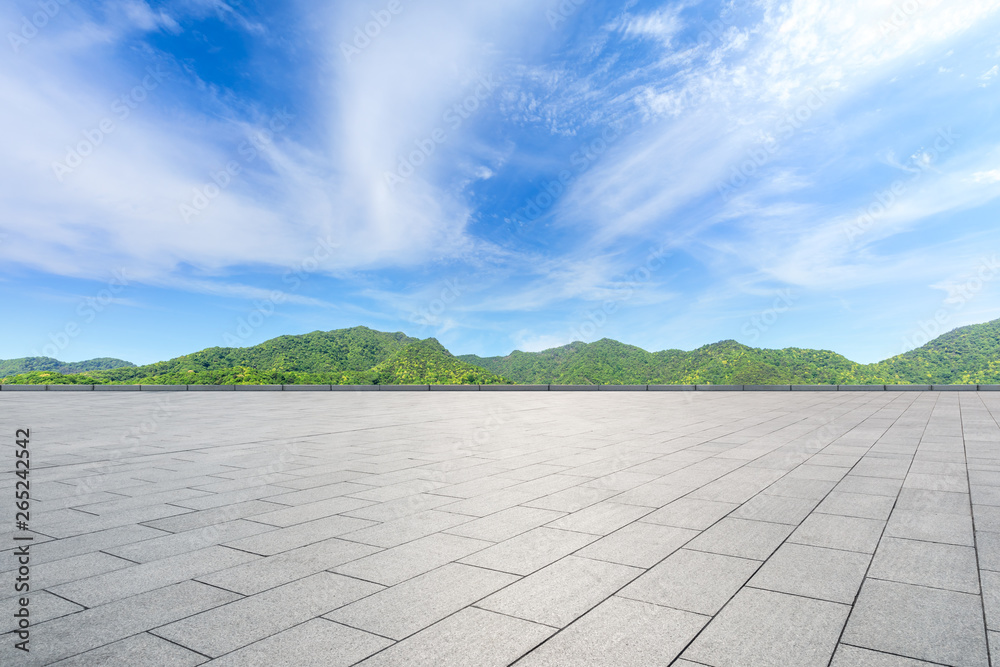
[[969, 355], [28, 364], [728, 362], [346, 356]]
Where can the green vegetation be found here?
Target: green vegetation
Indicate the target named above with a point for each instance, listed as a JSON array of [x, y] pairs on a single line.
[[969, 355], [48, 364], [728, 362], [346, 356]]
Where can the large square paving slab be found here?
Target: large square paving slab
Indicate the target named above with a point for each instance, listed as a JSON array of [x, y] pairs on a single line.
[[692, 529]]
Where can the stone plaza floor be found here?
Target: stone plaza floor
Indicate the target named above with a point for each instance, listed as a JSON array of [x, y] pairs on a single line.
[[727, 529]]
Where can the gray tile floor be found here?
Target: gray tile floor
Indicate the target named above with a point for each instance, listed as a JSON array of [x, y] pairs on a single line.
[[690, 529]]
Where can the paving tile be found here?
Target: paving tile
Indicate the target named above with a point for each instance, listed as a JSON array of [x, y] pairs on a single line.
[[762, 629], [396, 509], [988, 550], [54, 573], [951, 483], [987, 517], [862, 505], [942, 502], [931, 527], [264, 573], [413, 527], [413, 605], [558, 594], [917, 622], [91, 542], [653, 496], [210, 517], [692, 581], [530, 551], [616, 633], [488, 503], [277, 540], [638, 544], [327, 492], [175, 544], [572, 499], [811, 489], [813, 572], [839, 532], [290, 516], [317, 642], [926, 564], [93, 628], [601, 518], [405, 458], [743, 538], [136, 579], [232, 626], [140, 649], [877, 486], [691, 513], [851, 656], [776, 509], [395, 565], [470, 637], [44, 606], [991, 598], [505, 524]]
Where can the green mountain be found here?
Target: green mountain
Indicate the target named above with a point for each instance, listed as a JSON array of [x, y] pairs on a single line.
[[728, 362], [345, 356], [29, 364], [969, 355]]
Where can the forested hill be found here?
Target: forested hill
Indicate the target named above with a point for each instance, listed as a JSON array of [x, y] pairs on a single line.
[[969, 355], [728, 362], [346, 356], [29, 364]]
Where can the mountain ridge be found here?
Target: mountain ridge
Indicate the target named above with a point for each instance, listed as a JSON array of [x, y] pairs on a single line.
[[359, 355]]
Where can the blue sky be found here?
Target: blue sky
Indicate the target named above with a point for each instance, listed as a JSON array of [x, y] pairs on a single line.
[[515, 174]]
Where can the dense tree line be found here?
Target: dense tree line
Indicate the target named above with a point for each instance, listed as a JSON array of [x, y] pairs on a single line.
[[969, 355]]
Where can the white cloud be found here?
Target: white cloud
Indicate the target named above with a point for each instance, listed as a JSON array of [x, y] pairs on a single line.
[[142, 16], [990, 75], [120, 207], [991, 176], [528, 341], [662, 25]]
